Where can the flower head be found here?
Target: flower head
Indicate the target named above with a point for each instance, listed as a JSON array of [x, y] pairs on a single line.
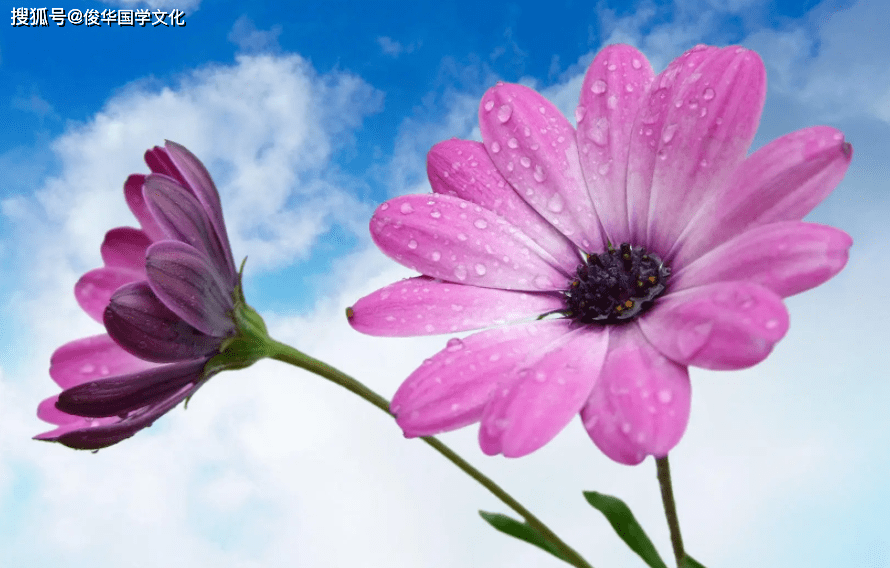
[[645, 235], [170, 299]]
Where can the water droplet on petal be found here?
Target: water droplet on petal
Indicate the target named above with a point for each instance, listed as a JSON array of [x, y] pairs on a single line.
[[435, 214], [625, 427], [540, 376], [480, 223], [495, 147], [436, 256], [460, 272], [708, 94], [772, 324], [555, 203], [406, 208], [603, 169], [454, 344], [598, 131], [489, 104], [668, 134], [88, 368], [412, 244], [636, 63], [598, 87], [543, 282], [525, 161], [480, 269], [504, 113], [461, 237], [665, 396], [513, 143], [384, 207], [612, 103], [579, 113], [539, 174]]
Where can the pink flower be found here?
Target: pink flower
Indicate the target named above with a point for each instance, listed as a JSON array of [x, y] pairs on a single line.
[[647, 229], [166, 295]]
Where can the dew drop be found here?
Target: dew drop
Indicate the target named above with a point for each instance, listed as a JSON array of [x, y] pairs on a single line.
[[598, 87], [513, 143], [489, 104], [612, 103], [480, 223], [384, 207], [103, 370], [540, 376], [495, 147], [668, 133], [555, 203], [525, 161], [708, 94], [629, 88], [454, 344], [579, 113], [87, 369], [625, 427], [461, 237], [603, 169], [457, 307], [539, 174], [412, 244], [504, 113], [480, 269], [543, 282], [772, 324], [665, 396], [406, 208], [636, 63], [429, 328], [460, 272], [598, 131], [435, 214], [436, 256]]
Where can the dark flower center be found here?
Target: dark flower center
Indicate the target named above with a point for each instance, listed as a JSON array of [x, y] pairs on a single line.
[[616, 286]]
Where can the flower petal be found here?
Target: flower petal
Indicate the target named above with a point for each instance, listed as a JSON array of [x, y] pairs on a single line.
[[122, 394], [451, 388], [191, 287], [159, 162], [462, 168], [787, 258], [640, 404], [534, 147], [694, 129], [136, 202], [94, 289], [451, 239], [183, 218], [423, 306], [90, 358], [782, 181], [97, 433], [199, 181], [614, 89], [125, 247], [729, 325], [140, 323], [552, 385]]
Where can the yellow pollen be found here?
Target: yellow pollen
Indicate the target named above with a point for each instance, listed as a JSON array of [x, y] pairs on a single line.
[[629, 303], [652, 279], [350, 312]]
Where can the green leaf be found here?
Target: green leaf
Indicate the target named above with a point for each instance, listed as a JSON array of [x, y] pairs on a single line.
[[690, 562], [622, 520], [522, 531]]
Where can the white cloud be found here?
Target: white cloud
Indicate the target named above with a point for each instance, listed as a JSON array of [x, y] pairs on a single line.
[[394, 48], [249, 39]]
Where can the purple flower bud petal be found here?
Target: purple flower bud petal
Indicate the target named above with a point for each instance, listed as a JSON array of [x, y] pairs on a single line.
[[183, 218], [185, 280], [201, 184], [125, 247], [140, 323], [136, 202], [128, 393]]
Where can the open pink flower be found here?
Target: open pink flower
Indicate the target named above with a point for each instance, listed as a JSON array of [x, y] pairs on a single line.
[[166, 296], [647, 229]]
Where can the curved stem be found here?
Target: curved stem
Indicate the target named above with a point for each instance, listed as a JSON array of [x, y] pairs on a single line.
[[288, 354], [670, 507]]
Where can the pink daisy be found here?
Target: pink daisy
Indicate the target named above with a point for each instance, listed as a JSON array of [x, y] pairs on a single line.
[[646, 236], [166, 295]]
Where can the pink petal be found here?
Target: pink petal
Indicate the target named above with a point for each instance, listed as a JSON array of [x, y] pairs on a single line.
[[614, 89], [463, 169], [185, 280], [451, 388], [94, 289], [136, 202], [83, 360], [552, 385], [729, 325], [125, 247], [159, 162], [66, 423], [694, 129], [782, 181], [640, 404], [455, 240], [422, 306], [786, 257], [201, 184], [534, 147]]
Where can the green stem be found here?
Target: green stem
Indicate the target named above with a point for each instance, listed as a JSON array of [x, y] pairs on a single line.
[[670, 507], [288, 354]]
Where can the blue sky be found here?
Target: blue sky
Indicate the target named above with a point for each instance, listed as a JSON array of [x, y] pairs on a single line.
[[308, 118]]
